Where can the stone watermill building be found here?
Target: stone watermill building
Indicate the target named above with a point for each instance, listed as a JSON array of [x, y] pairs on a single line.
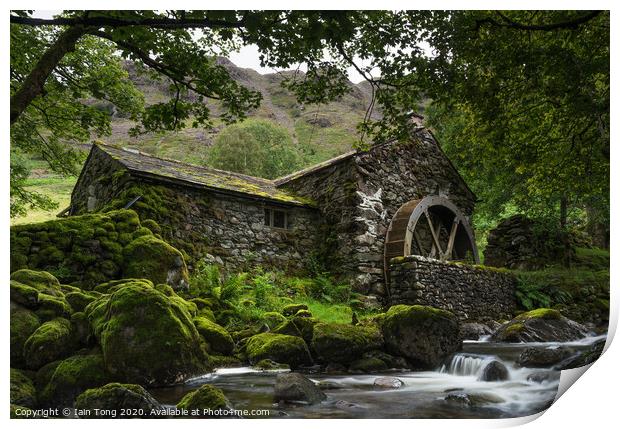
[[353, 214]]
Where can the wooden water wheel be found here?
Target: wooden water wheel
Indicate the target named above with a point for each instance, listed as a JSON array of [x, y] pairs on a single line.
[[432, 227]]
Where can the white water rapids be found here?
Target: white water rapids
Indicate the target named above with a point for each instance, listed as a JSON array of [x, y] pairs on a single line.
[[422, 396]]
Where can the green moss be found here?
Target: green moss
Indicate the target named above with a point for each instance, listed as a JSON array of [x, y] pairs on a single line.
[[79, 300], [540, 313], [218, 339], [23, 324], [287, 328], [146, 337], [117, 396], [152, 225], [150, 258], [51, 341], [273, 319], [368, 365], [41, 280], [513, 330], [291, 309], [269, 365], [344, 343], [166, 290], [23, 392], [303, 313], [51, 307], [206, 398], [24, 295], [414, 313], [72, 376], [280, 348]]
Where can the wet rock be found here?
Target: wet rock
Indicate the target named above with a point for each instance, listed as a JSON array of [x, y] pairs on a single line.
[[541, 325], [206, 398], [388, 383], [117, 397], [392, 362], [147, 338], [473, 331], [533, 357], [368, 365], [269, 365], [294, 387], [583, 358], [335, 342], [23, 392], [543, 376], [335, 368], [329, 385], [423, 335], [473, 399], [280, 348], [494, 371]]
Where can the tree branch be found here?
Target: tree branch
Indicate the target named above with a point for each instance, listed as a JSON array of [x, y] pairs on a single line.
[[104, 21], [166, 70], [564, 25], [35, 81]]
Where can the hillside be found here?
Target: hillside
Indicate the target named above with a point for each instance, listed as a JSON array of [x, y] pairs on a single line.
[[321, 132]]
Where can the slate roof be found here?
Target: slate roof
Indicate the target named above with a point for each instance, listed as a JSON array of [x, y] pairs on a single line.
[[167, 170]]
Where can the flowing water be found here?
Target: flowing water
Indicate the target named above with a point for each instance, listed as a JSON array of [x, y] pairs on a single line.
[[422, 396]]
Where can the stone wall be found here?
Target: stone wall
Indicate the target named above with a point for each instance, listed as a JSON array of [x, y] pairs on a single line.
[[360, 194], [218, 227], [473, 293]]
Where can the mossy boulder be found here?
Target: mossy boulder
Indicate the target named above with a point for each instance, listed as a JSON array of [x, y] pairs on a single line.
[[340, 343], [40, 280], [291, 309], [92, 249], [79, 300], [151, 258], [51, 341], [269, 365], [23, 324], [540, 325], [23, 392], [218, 339], [72, 376], [423, 335], [117, 397], [24, 295], [273, 319], [368, 365], [51, 307], [146, 337], [206, 398], [280, 348], [295, 387]]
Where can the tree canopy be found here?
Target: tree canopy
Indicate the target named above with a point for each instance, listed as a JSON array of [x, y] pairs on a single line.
[[257, 148], [519, 99]]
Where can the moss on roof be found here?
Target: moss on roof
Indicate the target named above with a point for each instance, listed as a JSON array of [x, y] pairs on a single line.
[[167, 170]]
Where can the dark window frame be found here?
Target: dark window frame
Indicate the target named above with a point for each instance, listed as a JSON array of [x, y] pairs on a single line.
[[269, 218]]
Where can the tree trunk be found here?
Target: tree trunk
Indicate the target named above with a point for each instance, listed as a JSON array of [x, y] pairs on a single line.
[[33, 85]]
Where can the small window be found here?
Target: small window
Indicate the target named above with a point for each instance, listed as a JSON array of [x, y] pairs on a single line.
[[276, 218]]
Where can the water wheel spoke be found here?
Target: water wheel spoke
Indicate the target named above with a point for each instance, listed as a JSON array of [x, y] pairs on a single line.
[[418, 242], [455, 226], [436, 246]]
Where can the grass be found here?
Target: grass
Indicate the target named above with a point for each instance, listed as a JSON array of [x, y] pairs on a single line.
[[57, 188], [328, 312]]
